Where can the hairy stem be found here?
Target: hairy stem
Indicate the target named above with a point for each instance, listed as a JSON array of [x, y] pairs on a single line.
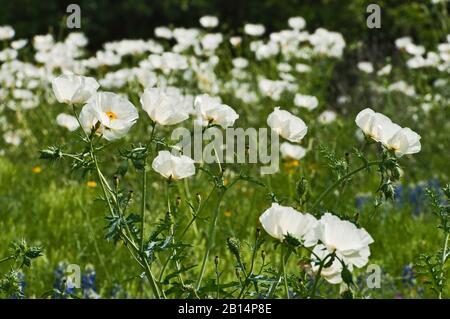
[[281, 272], [444, 258], [211, 238], [339, 181]]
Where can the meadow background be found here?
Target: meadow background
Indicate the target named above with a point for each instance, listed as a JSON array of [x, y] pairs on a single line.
[[49, 205]]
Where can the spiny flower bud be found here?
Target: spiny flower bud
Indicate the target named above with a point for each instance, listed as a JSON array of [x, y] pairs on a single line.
[[396, 172], [178, 201], [388, 190], [216, 261], [302, 188], [347, 157], [51, 153], [234, 246], [258, 232], [199, 197], [169, 218], [263, 255]]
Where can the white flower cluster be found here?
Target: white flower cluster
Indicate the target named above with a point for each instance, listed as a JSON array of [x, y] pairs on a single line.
[[327, 235]]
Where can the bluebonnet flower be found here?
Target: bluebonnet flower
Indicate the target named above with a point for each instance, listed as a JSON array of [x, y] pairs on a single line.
[[117, 292], [88, 283], [408, 277], [61, 281], [398, 194], [417, 197], [361, 200]]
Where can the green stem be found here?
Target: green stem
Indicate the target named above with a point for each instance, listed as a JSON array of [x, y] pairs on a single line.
[[339, 181], [144, 264], [444, 258], [286, 288], [316, 281], [250, 272], [144, 200], [211, 239], [281, 272], [6, 259]]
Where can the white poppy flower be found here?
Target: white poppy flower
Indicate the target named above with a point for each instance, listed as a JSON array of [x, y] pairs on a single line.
[[287, 125], [366, 67], [278, 221], [292, 151], [43, 42], [413, 49], [235, 41], [173, 167], [403, 87], [209, 21], [240, 63], [163, 32], [19, 44], [254, 29], [88, 119], [349, 243], [297, 23], [373, 124], [327, 117], [113, 114], [302, 68], [212, 111], [307, 101], [401, 43], [8, 55], [164, 107], [331, 274], [385, 70], [73, 89], [404, 141], [380, 128], [68, 121], [211, 41], [6, 32], [12, 138]]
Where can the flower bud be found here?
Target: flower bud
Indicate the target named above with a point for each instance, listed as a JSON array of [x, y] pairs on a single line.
[[169, 218], [234, 246], [216, 261], [388, 190], [302, 188]]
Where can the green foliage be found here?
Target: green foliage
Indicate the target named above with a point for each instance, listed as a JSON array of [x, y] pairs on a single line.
[[433, 266]]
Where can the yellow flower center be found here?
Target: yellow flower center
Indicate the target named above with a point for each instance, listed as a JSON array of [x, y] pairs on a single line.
[[394, 148], [36, 169], [91, 184], [112, 116]]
